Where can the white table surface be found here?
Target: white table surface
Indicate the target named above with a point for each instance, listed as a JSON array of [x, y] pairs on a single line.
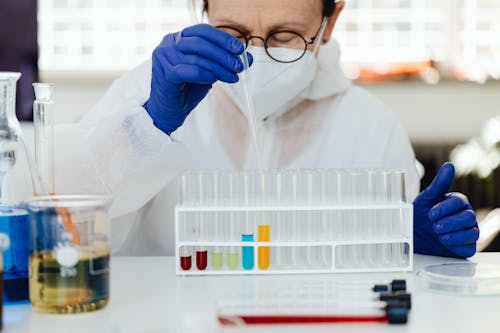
[[147, 296]]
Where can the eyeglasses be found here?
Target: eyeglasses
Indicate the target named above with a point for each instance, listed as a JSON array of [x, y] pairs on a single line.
[[275, 42]]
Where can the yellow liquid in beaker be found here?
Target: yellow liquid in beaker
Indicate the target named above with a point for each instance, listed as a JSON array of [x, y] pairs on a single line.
[[79, 289]]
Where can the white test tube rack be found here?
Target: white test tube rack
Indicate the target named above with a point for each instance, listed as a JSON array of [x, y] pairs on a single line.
[[319, 221]]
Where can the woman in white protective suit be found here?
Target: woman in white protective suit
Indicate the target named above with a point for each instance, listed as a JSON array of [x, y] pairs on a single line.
[[182, 111]]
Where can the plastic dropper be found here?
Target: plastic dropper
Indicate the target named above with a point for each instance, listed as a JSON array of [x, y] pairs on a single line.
[[252, 118]]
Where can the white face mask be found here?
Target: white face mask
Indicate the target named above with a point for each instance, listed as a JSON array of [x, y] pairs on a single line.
[[275, 87]]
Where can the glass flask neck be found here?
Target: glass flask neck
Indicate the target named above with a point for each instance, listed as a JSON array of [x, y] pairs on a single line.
[[8, 83]]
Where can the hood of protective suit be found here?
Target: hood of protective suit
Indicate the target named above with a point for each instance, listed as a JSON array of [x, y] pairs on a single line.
[[330, 79]]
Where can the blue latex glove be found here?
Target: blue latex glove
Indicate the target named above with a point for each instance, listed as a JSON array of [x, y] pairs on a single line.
[[444, 223], [185, 66]]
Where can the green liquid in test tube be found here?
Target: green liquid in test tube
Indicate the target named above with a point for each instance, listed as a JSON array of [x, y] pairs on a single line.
[[232, 257], [216, 260], [233, 260]]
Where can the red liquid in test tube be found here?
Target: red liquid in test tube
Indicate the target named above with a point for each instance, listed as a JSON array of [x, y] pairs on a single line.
[[202, 260], [186, 263]]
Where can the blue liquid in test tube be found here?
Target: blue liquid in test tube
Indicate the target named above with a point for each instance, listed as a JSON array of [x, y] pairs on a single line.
[[247, 252]]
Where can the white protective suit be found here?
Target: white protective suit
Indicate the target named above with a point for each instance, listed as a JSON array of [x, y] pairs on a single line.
[[116, 149]]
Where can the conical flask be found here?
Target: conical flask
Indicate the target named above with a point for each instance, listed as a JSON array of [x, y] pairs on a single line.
[[17, 184], [17, 180]]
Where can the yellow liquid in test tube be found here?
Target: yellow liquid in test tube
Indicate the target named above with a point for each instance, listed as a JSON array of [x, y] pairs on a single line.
[[264, 235]]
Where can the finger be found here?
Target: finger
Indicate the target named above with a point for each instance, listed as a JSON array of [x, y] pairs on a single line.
[[463, 251], [250, 59], [218, 37], [201, 47], [451, 205], [440, 185], [193, 74], [467, 205], [458, 238], [464, 220], [220, 72]]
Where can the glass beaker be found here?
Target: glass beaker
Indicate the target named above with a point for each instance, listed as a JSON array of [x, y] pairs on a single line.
[[17, 183], [69, 260], [4, 244]]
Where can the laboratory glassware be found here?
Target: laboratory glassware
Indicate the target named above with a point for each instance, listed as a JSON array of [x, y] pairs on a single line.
[[4, 245], [464, 278], [69, 267], [300, 224], [43, 118], [18, 181], [315, 303]]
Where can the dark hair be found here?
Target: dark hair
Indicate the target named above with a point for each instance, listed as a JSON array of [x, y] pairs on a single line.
[[328, 7]]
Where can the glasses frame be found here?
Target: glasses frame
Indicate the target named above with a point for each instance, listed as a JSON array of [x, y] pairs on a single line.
[[248, 38]]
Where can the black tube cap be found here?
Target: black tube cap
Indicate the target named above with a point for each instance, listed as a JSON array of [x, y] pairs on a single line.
[[380, 288], [397, 315], [398, 296], [398, 285]]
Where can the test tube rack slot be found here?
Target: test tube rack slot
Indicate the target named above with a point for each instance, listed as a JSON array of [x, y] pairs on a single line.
[[292, 222]]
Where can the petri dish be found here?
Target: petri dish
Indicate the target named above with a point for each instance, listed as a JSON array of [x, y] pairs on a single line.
[[461, 279]]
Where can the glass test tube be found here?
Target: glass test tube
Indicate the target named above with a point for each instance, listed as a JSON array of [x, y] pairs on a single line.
[[287, 232], [264, 228], [186, 224], [326, 225], [279, 230], [232, 257], [316, 255], [247, 252], [186, 260], [304, 194], [201, 251], [295, 255], [216, 258], [43, 118], [264, 235]]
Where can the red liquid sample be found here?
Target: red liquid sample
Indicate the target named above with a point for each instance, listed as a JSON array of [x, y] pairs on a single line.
[[201, 260], [298, 319], [186, 263]]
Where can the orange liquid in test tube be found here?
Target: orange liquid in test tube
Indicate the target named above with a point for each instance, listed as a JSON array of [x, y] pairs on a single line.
[[264, 235]]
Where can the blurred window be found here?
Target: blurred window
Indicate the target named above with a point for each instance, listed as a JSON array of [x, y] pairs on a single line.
[[458, 37]]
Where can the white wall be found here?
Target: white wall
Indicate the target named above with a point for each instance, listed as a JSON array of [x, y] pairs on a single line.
[[449, 111]]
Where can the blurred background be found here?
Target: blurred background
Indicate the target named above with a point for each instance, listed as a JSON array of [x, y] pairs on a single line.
[[436, 63]]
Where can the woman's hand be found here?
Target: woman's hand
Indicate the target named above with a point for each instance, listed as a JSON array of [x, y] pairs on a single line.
[[444, 223], [185, 66]]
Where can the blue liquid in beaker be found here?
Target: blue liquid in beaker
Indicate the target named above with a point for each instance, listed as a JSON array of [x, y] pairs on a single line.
[[15, 223]]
